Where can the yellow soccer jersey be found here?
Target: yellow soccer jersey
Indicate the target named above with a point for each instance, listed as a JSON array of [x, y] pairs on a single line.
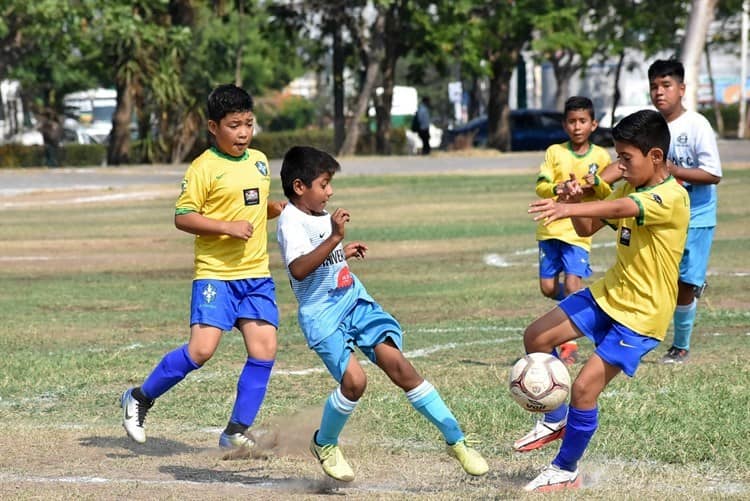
[[226, 188], [559, 162], [640, 290]]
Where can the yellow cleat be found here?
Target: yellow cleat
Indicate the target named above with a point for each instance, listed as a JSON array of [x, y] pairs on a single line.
[[471, 460], [332, 460]]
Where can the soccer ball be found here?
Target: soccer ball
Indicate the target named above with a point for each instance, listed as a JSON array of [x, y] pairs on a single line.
[[539, 382]]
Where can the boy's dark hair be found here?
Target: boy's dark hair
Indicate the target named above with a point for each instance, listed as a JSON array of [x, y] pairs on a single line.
[[643, 129], [305, 163], [578, 103], [666, 68], [226, 99]]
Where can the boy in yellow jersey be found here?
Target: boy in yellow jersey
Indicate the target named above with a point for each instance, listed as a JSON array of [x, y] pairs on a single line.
[[625, 313], [561, 250], [224, 203]]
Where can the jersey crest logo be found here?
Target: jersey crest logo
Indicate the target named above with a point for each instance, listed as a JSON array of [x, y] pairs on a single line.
[[183, 186], [682, 138], [262, 168], [592, 168], [657, 199], [209, 293], [625, 236]]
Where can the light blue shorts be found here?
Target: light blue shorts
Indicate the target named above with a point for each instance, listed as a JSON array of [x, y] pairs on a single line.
[[556, 256], [615, 344], [221, 303], [695, 258], [365, 326]]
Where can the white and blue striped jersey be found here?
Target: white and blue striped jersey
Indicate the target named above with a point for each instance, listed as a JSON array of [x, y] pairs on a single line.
[[328, 293], [693, 146]]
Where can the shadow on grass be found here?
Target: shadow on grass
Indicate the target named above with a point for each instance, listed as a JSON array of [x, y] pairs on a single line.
[[287, 484], [156, 447]]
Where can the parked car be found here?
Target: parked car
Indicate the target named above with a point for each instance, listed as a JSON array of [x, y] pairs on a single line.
[[530, 130]]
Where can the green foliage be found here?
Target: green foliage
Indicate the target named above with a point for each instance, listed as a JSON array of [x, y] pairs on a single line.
[[18, 155], [294, 112], [69, 155], [276, 144]]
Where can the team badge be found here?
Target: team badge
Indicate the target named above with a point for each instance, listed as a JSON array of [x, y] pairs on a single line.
[[183, 186], [252, 196], [625, 236], [657, 199], [592, 168], [262, 167], [209, 293]]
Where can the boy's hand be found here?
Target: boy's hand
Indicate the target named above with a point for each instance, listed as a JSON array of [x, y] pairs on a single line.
[[548, 209], [588, 179], [571, 190], [355, 249], [338, 219], [239, 229]]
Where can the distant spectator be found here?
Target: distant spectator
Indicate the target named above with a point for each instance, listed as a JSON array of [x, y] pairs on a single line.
[[423, 119], [51, 131]]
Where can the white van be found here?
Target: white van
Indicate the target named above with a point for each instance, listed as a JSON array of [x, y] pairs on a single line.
[[90, 111]]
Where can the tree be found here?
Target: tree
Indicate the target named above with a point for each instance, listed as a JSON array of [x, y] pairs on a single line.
[[692, 48], [493, 34], [567, 36]]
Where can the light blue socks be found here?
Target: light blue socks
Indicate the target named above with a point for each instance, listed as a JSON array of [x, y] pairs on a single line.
[[336, 412], [426, 400], [684, 318]]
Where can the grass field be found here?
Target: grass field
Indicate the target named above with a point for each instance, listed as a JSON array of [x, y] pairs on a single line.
[[93, 294]]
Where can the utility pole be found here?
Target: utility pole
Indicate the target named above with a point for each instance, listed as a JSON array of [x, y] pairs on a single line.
[[743, 70]]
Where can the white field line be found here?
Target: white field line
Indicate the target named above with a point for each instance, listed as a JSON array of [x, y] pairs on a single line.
[[422, 352], [113, 197], [506, 260]]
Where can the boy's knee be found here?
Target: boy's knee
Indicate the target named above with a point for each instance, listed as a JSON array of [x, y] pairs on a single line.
[[200, 354], [353, 386]]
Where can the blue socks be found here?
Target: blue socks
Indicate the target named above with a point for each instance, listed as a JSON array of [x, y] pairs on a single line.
[[426, 400], [251, 390], [171, 370], [336, 412], [582, 425], [684, 318]]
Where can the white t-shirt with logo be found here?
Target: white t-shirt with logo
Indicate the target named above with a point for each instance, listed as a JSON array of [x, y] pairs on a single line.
[[693, 146], [327, 294]]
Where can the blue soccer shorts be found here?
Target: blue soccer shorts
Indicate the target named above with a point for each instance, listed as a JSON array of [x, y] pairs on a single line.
[[695, 258], [365, 326], [556, 256], [615, 344], [221, 303]]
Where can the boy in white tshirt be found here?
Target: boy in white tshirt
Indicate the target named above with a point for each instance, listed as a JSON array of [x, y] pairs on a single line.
[[693, 159], [337, 315]]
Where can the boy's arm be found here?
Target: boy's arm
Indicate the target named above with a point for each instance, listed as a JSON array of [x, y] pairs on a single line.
[[546, 187], [587, 216], [274, 208], [692, 176], [611, 173], [198, 224], [302, 266]]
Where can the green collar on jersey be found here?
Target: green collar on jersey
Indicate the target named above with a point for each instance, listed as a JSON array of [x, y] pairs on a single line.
[[220, 153]]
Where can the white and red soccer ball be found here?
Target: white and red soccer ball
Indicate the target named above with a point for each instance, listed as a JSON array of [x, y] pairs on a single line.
[[539, 382]]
